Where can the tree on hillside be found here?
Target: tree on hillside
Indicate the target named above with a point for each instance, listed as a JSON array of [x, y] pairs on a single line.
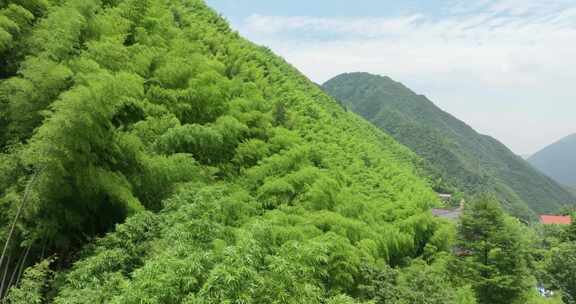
[[493, 254], [560, 267]]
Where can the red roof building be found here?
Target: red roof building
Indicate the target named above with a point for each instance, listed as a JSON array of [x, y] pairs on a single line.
[[555, 220]]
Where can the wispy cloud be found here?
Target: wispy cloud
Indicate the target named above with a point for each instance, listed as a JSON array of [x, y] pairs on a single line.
[[491, 19], [495, 46], [514, 54], [358, 27]]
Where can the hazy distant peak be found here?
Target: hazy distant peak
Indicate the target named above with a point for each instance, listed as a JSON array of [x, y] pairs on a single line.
[[558, 160]]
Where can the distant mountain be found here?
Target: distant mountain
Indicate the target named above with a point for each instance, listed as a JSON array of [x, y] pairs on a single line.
[[572, 189], [558, 160], [457, 154]]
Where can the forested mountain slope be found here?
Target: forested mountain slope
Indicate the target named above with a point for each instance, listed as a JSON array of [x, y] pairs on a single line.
[[240, 181], [469, 161], [558, 160]]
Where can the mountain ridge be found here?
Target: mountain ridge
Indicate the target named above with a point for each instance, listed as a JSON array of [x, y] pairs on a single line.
[[558, 160], [483, 163]]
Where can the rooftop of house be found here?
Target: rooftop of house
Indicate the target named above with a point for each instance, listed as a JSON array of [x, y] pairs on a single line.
[[555, 219]]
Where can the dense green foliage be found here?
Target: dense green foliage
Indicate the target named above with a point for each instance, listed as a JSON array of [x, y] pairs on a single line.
[[558, 160], [556, 267], [561, 269], [33, 286], [149, 154], [496, 257], [235, 179], [459, 156]]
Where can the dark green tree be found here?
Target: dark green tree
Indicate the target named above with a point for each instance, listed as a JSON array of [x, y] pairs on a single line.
[[493, 253], [560, 267]]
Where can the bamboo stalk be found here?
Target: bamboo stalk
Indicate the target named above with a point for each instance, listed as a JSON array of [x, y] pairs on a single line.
[[4, 275], [20, 208], [17, 273], [13, 275], [22, 265]]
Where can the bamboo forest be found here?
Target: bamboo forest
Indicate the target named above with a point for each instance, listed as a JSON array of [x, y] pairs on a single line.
[[151, 154]]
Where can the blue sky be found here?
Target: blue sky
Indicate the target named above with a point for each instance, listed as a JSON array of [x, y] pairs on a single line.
[[506, 67], [239, 9]]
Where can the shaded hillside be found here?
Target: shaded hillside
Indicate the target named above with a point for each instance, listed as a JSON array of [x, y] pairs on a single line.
[[239, 180], [558, 160], [572, 189], [469, 161]]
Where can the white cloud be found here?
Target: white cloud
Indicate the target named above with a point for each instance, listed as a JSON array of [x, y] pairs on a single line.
[[362, 27], [484, 61]]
